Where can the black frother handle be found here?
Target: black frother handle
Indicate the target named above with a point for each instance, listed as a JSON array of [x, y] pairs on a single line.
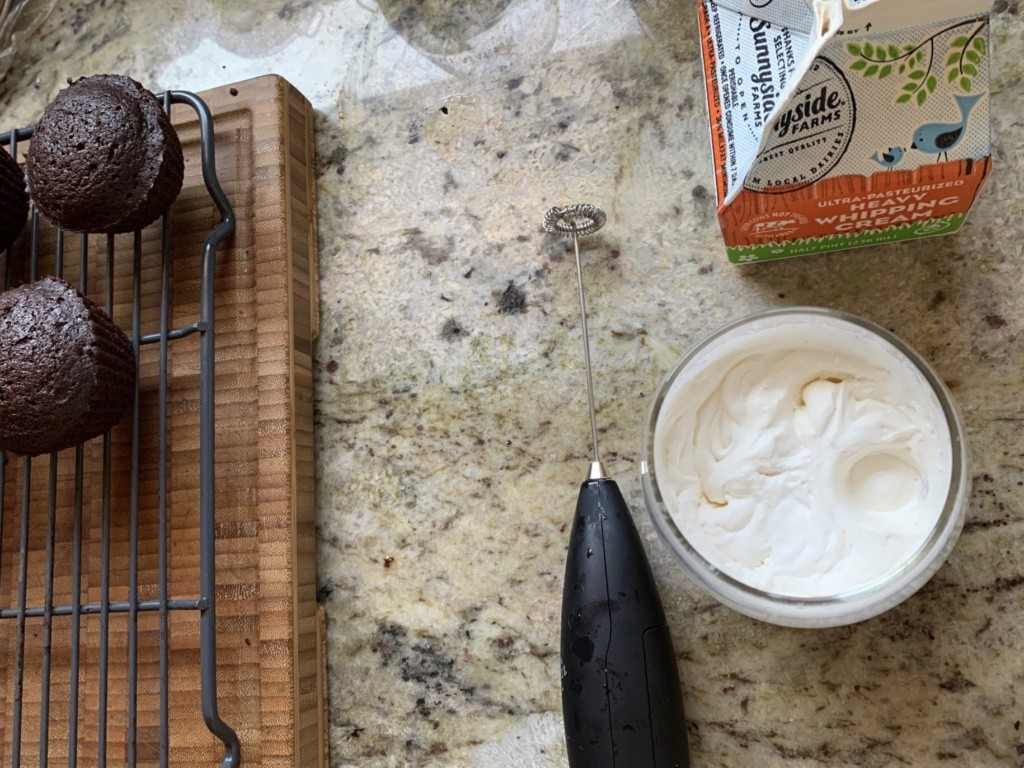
[[620, 686]]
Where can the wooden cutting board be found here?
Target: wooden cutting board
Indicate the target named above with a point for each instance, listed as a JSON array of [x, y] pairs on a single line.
[[270, 661]]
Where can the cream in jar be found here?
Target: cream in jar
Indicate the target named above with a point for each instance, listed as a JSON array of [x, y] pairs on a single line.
[[806, 459]]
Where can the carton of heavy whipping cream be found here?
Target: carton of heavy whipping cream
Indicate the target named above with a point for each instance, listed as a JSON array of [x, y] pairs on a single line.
[[842, 123]]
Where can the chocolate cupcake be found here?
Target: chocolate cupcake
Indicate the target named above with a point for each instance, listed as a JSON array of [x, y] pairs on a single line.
[[13, 200], [104, 157], [67, 371]]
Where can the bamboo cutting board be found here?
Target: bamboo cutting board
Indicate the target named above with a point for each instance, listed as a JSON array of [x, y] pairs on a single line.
[[270, 666]]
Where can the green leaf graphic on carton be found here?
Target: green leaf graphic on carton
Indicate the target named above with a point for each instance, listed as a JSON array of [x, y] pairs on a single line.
[[917, 62], [966, 52]]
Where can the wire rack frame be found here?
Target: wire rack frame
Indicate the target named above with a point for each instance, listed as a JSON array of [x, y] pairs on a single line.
[[203, 602]]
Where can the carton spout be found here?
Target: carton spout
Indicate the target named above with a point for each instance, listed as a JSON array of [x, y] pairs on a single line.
[[828, 15]]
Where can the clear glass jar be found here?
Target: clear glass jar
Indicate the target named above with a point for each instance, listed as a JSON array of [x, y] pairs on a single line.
[[835, 609]]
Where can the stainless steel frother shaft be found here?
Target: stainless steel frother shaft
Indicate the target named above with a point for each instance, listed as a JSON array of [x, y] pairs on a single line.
[[580, 220]]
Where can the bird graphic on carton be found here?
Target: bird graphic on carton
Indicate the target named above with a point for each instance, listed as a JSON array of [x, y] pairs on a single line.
[[939, 138], [890, 157]]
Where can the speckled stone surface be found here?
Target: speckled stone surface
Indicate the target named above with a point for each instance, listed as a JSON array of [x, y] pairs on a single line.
[[451, 424]]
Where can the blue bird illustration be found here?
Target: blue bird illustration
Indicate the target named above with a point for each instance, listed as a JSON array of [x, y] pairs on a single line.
[[942, 137], [890, 157]]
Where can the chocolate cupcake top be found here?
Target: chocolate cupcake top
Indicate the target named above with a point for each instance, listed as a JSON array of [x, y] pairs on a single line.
[[13, 200], [67, 371], [104, 157]]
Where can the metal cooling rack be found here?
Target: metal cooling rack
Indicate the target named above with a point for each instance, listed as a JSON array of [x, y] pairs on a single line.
[[34, 623]]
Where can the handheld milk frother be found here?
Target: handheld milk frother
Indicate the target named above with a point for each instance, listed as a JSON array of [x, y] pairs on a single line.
[[620, 687]]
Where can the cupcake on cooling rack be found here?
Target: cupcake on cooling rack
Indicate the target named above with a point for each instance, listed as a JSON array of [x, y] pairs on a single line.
[[104, 157], [13, 200], [67, 371]]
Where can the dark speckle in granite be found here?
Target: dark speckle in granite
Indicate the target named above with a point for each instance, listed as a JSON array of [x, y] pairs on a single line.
[[956, 683], [288, 10], [452, 330], [325, 588], [432, 250], [511, 301], [389, 641], [565, 151], [995, 321], [426, 662]]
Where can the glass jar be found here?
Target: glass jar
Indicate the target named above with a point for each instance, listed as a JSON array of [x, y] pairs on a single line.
[[841, 608]]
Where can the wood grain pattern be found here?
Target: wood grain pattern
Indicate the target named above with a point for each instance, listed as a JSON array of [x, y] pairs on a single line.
[[271, 678]]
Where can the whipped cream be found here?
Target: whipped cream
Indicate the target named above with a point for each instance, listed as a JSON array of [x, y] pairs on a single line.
[[803, 455]]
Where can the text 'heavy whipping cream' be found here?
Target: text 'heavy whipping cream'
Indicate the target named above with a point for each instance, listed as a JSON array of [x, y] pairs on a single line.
[[806, 457], [842, 123]]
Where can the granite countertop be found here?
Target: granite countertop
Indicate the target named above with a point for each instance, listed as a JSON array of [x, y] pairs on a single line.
[[451, 425]]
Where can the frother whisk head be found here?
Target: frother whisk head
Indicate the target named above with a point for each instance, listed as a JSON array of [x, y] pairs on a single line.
[[579, 219]]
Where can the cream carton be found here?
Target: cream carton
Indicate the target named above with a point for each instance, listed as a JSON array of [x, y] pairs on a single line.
[[843, 123]]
